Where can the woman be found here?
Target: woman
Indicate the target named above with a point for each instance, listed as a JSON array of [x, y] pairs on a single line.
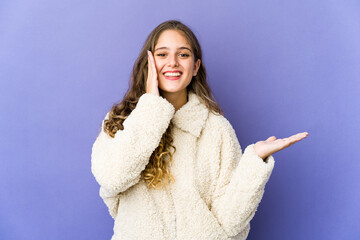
[[168, 162]]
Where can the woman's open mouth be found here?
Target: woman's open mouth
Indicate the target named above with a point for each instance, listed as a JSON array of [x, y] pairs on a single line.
[[172, 75]]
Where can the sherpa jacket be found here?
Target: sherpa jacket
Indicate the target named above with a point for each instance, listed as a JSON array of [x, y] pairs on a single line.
[[217, 189]]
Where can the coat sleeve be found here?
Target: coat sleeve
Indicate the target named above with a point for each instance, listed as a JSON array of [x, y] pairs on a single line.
[[240, 185], [117, 163]]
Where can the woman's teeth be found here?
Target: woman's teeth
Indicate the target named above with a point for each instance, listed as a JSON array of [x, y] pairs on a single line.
[[172, 74]]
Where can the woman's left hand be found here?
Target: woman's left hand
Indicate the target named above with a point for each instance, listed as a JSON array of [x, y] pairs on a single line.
[[270, 145]]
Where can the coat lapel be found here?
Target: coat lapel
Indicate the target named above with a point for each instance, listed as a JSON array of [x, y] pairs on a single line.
[[193, 218], [191, 116]]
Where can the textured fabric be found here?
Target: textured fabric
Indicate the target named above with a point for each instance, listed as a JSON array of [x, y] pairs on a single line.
[[217, 189]]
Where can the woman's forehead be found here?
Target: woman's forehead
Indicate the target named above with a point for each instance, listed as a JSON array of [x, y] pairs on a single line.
[[175, 39]]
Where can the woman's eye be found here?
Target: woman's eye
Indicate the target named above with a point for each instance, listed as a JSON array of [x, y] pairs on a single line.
[[181, 54]]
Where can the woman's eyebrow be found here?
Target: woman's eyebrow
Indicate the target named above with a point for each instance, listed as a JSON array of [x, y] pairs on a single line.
[[177, 48]]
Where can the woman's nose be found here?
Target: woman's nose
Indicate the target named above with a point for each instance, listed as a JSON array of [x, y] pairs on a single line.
[[173, 61]]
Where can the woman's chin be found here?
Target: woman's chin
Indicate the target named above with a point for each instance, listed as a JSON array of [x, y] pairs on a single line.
[[171, 90], [172, 87]]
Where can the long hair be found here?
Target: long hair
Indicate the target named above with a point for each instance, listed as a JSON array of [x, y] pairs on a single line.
[[157, 172]]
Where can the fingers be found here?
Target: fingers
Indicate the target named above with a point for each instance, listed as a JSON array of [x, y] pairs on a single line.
[[299, 136], [295, 138], [152, 82], [150, 67], [270, 139], [279, 144], [149, 63], [152, 63]]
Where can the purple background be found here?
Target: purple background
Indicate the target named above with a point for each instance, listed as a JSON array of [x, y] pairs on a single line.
[[276, 68]]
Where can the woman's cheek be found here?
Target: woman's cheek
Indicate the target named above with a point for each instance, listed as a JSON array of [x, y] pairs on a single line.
[[158, 67]]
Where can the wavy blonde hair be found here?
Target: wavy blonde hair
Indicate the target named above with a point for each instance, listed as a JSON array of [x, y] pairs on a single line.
[[157, 173]]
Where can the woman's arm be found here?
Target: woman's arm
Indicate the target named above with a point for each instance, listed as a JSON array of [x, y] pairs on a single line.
[[117, 162], [241, 183]]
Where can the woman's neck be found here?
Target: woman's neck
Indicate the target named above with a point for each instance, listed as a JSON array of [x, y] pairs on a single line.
[[177, 99]]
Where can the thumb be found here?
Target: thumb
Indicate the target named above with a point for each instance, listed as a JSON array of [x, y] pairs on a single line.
[[270, 139]]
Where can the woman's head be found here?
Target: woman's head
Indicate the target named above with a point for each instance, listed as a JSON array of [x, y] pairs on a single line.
[[175, 62], [197, 83], [170, 34], [170, 43]]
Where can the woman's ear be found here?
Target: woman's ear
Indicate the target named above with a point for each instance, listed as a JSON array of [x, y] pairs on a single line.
[[196, 67]]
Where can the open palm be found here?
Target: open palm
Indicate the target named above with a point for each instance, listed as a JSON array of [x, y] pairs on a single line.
[[272, 145]]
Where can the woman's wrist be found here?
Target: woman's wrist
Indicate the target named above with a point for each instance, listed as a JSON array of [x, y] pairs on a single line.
[[263, 157]]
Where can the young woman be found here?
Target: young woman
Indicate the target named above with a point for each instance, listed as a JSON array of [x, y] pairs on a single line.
[[168, 162]]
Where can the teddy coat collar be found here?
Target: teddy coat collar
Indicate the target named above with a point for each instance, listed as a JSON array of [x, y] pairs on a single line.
[[192, 116]]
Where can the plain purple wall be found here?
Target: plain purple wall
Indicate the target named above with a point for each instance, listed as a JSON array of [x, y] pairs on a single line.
[[276, 68]]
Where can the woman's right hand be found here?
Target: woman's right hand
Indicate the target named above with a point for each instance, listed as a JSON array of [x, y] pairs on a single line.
[[152, 81]]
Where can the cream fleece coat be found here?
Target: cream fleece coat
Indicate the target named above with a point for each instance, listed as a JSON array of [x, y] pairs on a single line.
[[217, 189]]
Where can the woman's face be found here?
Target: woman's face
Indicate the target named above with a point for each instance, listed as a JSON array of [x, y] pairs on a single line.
[[173, 54]]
